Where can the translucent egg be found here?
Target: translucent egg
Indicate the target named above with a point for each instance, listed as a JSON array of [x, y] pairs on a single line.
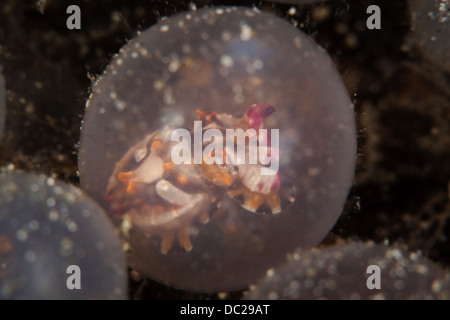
[[56, 243], [354, 271], [213, 227]]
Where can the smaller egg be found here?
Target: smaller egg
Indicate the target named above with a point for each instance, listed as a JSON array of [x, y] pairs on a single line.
[[56, 243], [354, 271]]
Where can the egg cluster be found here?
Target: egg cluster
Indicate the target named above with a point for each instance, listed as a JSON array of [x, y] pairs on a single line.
[[202, 224]]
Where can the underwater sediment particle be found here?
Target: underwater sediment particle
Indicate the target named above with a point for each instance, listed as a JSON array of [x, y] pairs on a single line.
[[347, 271], [2, 104], [430, 30], [46, 228], [207, 227]]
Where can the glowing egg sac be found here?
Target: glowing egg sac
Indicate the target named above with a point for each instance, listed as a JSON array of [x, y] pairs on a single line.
[[56, 243], [205, 226], [354, 271]]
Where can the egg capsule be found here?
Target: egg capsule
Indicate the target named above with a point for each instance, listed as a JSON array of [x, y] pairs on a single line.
[[165, 195], [56, 243], [212, 228], [354, 270], [2, 104]]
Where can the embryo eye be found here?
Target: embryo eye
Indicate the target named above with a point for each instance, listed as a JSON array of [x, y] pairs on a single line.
[[189, 220]]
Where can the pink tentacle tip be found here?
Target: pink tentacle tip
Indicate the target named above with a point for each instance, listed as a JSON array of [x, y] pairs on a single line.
[[256, 114], [276, 183]]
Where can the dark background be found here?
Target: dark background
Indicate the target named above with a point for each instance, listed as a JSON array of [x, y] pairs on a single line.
[[401, 191]]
